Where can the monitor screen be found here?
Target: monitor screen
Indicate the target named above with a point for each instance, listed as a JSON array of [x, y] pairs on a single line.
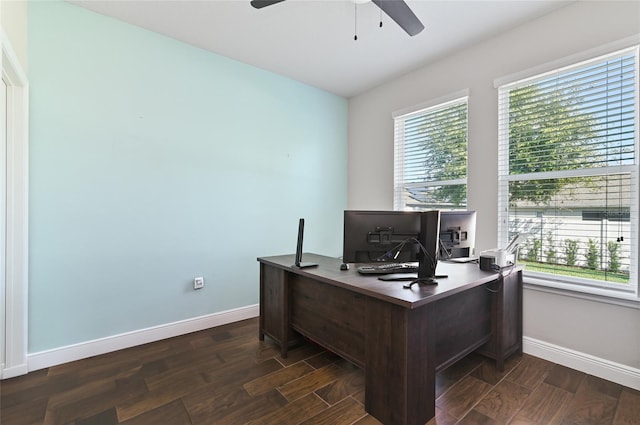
[[457, 234], [371, 236]]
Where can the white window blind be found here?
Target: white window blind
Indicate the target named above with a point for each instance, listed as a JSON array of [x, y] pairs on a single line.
[[430, 157], [568, 173]]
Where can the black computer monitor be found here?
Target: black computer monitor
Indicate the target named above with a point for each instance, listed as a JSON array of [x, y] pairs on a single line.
[[457, 234], [392, 236], [374, 236], [429, 239]]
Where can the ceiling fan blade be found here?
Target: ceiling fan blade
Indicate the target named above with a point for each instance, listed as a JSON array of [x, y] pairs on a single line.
[[259, 4], [400, 12]]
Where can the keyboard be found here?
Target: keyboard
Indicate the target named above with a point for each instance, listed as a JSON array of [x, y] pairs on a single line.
[[388, 268]]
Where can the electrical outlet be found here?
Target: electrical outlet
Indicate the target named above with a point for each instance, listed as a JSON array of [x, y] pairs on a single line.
[[198, 283]]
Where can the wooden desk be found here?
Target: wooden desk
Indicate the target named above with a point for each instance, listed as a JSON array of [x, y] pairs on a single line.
[[401, 337]]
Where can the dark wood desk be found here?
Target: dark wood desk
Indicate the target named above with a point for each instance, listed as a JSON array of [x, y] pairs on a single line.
[[401, 337]]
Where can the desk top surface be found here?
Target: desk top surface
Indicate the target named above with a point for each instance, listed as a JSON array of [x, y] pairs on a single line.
[[460, 278]]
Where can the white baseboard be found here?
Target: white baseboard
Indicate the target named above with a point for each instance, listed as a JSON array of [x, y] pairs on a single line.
[[602, 368], [10, 372], [596, 366], [56, 356]]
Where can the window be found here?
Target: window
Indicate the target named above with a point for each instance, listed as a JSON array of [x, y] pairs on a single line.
[[568, 174], [430, 156]]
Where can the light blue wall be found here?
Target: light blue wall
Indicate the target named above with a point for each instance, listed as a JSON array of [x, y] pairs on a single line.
[[152, 162]]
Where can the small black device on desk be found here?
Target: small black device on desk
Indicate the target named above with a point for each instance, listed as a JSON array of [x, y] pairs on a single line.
[[298, 260]]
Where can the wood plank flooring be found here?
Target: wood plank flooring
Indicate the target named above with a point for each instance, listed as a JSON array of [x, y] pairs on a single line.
[[225, 375]]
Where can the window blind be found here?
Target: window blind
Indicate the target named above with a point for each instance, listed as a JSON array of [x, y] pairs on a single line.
[[568, 171], [430, 157]]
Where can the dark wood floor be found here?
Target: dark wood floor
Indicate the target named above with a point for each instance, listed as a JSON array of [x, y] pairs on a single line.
[[226, 375]]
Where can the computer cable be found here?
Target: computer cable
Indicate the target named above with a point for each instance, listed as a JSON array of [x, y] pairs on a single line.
[[444, 248], [500, 271]]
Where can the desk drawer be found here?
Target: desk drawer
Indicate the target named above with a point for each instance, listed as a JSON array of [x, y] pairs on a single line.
[[329, 315]]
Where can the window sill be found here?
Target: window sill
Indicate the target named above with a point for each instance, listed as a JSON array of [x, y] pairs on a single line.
[[623, 299]]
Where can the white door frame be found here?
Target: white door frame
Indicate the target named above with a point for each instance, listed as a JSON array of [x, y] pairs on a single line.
[[16, 260]]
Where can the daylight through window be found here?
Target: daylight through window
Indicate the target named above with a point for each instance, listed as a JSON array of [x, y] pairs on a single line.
[[568, 173], [430, 158]]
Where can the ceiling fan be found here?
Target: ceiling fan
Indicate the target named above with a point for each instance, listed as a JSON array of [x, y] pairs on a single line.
[[397, 10]]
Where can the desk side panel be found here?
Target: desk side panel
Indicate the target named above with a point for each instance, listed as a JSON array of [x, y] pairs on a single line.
[[273, 306], [332, 316], [400, 368], [463, 323], [512, 312], [506, 320]]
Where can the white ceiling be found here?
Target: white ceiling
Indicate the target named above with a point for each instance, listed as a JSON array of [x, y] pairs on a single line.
[[312, 41]]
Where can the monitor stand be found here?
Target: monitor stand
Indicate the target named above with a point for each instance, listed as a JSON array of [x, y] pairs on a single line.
[[398, 276]]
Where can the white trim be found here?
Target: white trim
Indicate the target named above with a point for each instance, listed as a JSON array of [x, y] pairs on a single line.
[[612, 371], [16, 270], [442, 101], [606, 297], [592, 365], [96, 347], [579, 288], [587, 55], [11, 372]]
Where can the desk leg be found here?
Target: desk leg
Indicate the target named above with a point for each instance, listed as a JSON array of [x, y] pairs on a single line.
[[499, 325], [262, 303], [284, 325], [274, 306], [400, 363]]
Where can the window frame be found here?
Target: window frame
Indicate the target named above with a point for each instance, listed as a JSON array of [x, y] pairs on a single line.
[[560, 282], [400, 116]]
